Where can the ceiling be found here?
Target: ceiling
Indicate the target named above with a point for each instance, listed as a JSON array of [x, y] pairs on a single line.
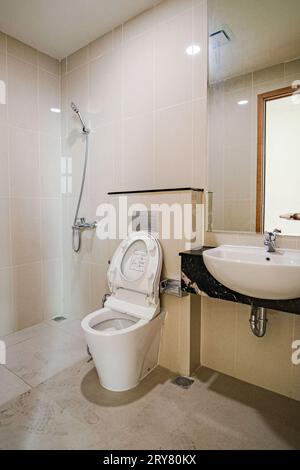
[[263, 33], [60, 27]]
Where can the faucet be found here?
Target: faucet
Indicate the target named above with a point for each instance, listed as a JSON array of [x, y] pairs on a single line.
[[270, 240]]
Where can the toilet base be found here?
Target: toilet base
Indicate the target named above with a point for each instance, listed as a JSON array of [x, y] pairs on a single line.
[[125, 358]]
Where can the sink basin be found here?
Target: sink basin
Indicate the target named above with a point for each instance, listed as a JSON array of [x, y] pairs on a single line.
[[252, 271]]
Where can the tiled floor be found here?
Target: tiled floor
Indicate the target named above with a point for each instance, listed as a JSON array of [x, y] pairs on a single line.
[[39, 352], [56, 402]]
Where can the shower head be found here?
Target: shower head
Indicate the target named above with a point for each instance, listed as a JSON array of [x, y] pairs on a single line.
[[76, 110], [74, 107]]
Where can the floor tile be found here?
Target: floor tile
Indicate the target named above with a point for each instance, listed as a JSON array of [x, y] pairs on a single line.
[[44, 355], [34, 422], [26, 333], [10, 385]]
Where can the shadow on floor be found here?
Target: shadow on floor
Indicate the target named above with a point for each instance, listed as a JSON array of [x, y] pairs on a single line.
[[95, 393], [281, 413]]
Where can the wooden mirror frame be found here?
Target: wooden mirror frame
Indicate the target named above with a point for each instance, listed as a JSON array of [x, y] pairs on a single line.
[[262, 99]]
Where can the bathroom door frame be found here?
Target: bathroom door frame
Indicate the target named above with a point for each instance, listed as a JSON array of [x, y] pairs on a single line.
[[262, 100]]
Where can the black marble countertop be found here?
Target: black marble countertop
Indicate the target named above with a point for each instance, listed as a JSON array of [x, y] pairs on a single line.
[[196, 279]]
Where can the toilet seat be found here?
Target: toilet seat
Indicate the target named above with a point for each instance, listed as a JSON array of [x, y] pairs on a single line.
[[106, 314], [133, 276]]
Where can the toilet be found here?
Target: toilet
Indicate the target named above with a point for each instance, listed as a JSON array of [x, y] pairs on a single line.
[[124, 336]]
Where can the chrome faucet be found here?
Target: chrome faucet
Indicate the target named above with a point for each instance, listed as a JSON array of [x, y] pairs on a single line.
[[81, 224], [270, 240]]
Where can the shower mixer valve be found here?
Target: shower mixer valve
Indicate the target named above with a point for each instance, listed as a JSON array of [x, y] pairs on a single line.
[[81, 224]]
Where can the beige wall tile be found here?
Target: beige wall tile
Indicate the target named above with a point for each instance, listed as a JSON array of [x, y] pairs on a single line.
[[5, 242], [169, 351], [139, 25], [77, 91], [169, 8], [139, 75], [49, 98], [218, 335], [48, 63], [63, 66], [200, 60], [100, 250], [195, 327], [271, 73], [200, 144], [100, 46], [101, 163], [34, 160], [22, 94], [287, 242], [176, 336], [98, 285], [292, 67], [26, 230], [266, 361], [237, 215], [51, 231], [171, 258], [184, 349], [117, 37], [50, 165], [296, 367], [28, 295], [76, 288], [4, 159], [53, 288], [173, 66], [138, 157], [7, 318], [21, 51], [176, 121], [24, 163], [4, 96], [105, 88], [240, 83], [78, 58], [2, 43]]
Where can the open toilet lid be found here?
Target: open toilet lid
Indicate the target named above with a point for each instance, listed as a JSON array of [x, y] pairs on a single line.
[[136, 266]]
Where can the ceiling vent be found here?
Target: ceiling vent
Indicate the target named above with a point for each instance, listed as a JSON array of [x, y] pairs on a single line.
[[220, 38]]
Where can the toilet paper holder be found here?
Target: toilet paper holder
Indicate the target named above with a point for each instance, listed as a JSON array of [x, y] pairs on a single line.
[[172, 287]]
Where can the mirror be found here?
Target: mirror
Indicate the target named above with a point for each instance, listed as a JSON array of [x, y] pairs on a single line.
[[254, 115]]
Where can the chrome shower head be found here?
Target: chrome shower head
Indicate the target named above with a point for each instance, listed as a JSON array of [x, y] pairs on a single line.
[[74, 107], [76, 110]]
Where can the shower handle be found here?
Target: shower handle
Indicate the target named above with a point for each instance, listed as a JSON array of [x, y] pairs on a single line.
[[82, 225]]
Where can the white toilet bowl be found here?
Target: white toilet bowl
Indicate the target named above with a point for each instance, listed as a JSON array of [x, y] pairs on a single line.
[[124, 336]]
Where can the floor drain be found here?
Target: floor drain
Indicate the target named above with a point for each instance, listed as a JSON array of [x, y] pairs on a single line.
[[183, 382], [59, 319]]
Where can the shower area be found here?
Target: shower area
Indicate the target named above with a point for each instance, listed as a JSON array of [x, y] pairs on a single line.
[[51, 264]]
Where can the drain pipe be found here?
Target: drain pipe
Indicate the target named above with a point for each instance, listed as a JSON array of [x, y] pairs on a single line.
[[258, 321]]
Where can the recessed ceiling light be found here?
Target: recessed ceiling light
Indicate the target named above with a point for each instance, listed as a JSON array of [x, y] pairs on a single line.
[[193, 49], [55, 110], [243, 102]]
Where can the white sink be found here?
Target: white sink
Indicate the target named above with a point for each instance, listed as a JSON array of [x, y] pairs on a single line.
[[252, 271]]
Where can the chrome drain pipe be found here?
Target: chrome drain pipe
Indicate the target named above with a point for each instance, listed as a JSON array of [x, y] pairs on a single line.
[[258, 321]]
